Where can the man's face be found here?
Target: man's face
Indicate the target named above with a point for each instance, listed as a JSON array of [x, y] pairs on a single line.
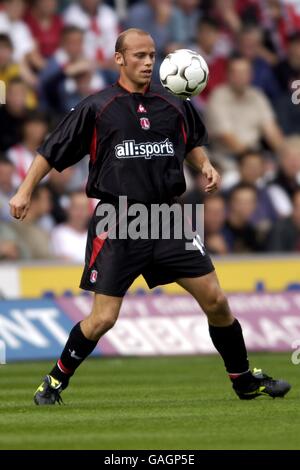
[[290, 161], [252, 168], [90, 5], [188, 5], [73, 44], [35, 131], [274, 9], [137, 59], [250, 43], [15, 9], [6, 175], [294, 54], [243, 204], [47, 7], [207, 38], [78, 212], [16, 97], [43, 202], [5, 54], [214, 214], [239, 75]]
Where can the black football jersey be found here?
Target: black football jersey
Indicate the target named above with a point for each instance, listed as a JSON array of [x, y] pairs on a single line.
[[137, 142]]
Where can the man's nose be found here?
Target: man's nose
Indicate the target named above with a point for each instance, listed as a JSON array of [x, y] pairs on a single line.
[[149, 60]]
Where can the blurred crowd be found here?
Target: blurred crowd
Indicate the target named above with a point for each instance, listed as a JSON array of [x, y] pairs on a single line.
[[55, 53]]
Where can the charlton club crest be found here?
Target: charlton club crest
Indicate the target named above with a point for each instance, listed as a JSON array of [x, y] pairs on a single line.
[[145, 123], [93, 276]]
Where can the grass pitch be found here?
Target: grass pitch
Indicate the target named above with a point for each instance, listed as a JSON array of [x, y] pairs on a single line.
[[151, 403]]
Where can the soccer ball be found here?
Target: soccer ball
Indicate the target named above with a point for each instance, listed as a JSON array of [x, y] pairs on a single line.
[[184, 73]]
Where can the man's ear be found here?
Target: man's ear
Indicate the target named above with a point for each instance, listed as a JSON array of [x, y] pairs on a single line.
[[119, 58]]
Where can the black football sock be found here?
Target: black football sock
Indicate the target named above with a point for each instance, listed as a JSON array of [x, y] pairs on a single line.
[[76, 350], [229, 342]]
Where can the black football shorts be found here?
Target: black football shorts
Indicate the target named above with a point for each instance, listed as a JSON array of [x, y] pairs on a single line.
[[112, 264]]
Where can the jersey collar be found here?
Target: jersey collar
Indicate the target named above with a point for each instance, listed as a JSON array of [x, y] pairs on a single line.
[[147, 89]]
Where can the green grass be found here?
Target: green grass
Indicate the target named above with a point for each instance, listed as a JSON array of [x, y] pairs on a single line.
[[152, 403]]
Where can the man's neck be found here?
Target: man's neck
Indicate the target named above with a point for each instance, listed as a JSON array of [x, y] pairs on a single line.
[[31, 146], [132, 87], [236, 222], [239, 93]]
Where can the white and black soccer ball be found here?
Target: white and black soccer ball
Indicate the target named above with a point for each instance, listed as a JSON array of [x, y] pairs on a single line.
[[184, 73]]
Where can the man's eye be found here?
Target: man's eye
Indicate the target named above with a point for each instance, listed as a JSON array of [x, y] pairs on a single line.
[[142, 56]]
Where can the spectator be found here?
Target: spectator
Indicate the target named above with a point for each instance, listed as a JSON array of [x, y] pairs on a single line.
[[279, 19], [288, 69], [45, 25], [285, 235], [240, 119], [8, 68], [100, 24], [36, 239], [162, 20], [240, 234], [12, 24], [239, 116], [12, 115], [24, 48], [59, 79], [209, 44], [12, 248], [85, 84], [188, 12], [225, 12], [61, 185], [250, 46], [34, 131], [69, 239], [214, 221], [288, 112], [287, 179], [7, 189], [252, 169]]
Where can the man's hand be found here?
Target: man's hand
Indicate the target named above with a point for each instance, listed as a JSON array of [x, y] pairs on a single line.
[[19, 205], [212, 176], [198, 159]]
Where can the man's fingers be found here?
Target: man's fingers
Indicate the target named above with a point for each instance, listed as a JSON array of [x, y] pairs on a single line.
[[17, 212], [24, 213], [210, 189], [13, 211], [214, 181], [209, 174], [213, 184]]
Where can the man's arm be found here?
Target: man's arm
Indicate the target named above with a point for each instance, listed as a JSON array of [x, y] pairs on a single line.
[[273, 135], [198, 159], [20, 202], [231, 143]]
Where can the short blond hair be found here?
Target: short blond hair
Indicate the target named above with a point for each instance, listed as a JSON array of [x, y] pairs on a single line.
[[119, 47]]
